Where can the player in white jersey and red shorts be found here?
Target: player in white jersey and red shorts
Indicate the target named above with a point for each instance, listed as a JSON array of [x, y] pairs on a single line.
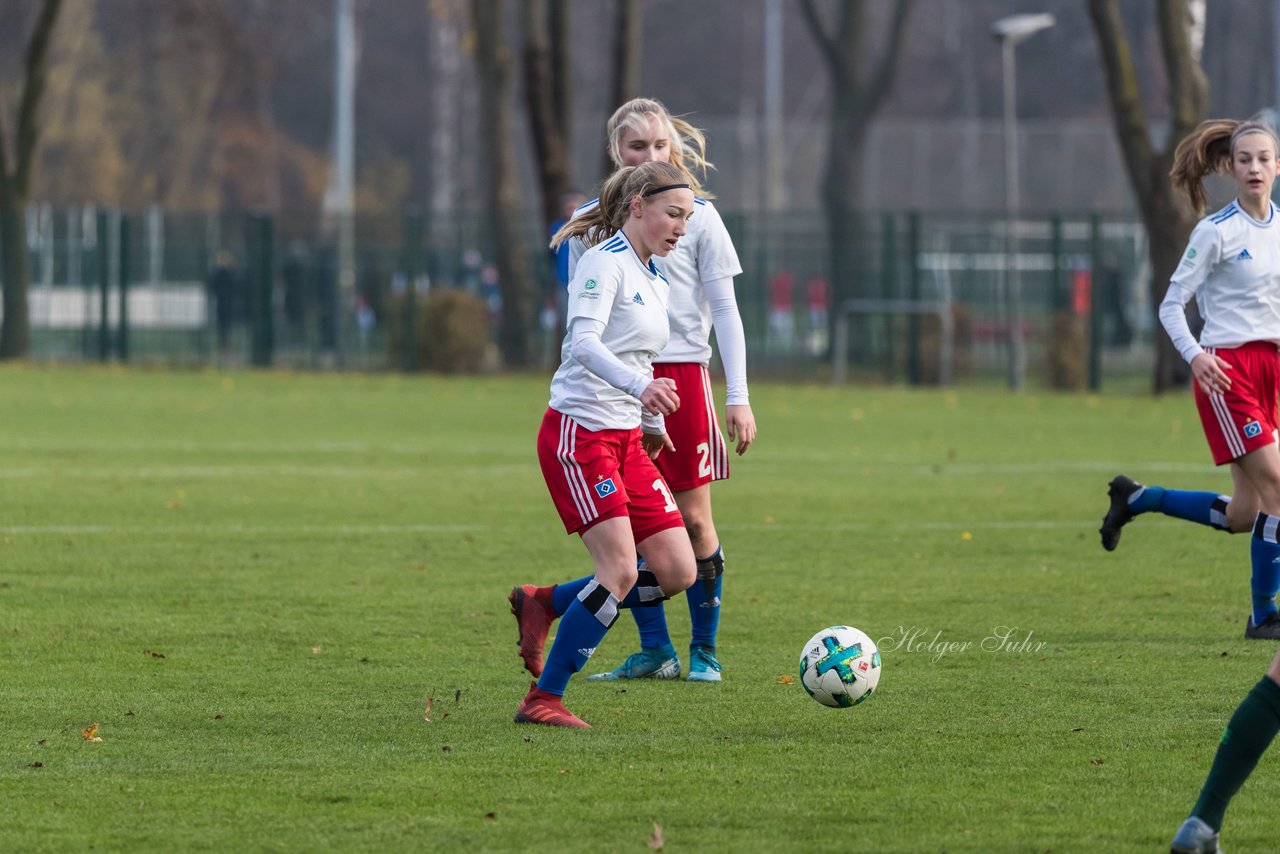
[[604, 423], [1231, 267], [701, 270]]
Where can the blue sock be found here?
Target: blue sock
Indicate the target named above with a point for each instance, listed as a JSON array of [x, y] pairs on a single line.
[[564, 594], [704, 600], [583, 626], [1265, 551], [1146, 499], [652, 620], [1204, 508], [652, 623]]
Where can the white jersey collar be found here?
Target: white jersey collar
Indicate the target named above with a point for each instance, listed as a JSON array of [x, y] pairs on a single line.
[[1262, 223], [649, 269]]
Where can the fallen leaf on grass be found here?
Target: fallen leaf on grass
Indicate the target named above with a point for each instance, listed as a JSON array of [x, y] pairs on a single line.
[[36, 765], [315, 650], [655, 839], [446, 749], [152, 653], [217, 717], [1095, 761], [90, 732], [784, 679], [426, 713], [491, 815], [457, 695], [41, 741]]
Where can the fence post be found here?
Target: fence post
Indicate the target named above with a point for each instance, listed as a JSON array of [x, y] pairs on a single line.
[[122, 333], [412, 272], [1060, 295], [104, 285], [260, 261], [889, 284], [913, 294], [1095, 316]]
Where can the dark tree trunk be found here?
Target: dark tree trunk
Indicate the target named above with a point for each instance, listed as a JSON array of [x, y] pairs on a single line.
[[1167, 216], [545, 83], [628, 40], [15, 186], [502, 197], [857, 92]]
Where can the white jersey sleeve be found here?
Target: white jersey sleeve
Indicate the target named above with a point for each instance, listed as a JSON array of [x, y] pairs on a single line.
[[705, 254], [592, 288], [576, 248], [577, 245], [586, 346], [1173, 314], [730, 339], [1204, 251], [716, 256]]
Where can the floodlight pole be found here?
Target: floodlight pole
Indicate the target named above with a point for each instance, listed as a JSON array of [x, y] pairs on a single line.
[[1009, 32], [345, 60]]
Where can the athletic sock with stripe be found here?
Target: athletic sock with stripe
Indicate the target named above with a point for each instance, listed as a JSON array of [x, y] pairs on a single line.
[[583, 626], [1265, 552]]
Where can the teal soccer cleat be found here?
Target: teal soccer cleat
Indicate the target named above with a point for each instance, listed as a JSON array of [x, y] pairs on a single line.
[[660, 663], [1195, 837], [703, 666]]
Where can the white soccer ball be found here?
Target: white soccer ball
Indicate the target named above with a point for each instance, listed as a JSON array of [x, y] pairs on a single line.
[[840, 666]]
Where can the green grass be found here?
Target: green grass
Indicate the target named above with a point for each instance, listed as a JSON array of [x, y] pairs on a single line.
[[315, 556]]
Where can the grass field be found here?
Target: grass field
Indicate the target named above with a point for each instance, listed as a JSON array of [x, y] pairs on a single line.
[[255, 583]]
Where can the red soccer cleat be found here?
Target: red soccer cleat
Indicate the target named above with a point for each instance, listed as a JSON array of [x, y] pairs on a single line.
[[534, 621], [539, 707]]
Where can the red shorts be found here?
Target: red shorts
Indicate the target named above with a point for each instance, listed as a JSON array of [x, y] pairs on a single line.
[[701, 454], [1243, 418], [595, 475]]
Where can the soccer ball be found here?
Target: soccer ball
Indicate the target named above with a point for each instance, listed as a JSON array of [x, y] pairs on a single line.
[[840, 667]]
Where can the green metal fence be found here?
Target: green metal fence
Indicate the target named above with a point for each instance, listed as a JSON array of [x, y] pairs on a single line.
[[254, 290]]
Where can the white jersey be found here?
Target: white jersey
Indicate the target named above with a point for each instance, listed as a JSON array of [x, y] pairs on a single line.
[[1232, 266], [611, 284], [703, 254]]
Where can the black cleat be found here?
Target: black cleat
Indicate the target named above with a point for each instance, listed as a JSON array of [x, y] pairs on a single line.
[[1269, 630], [1119, 514]]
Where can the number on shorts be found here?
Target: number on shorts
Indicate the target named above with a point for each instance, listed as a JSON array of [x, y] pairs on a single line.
[[704, 459], [661, 486]]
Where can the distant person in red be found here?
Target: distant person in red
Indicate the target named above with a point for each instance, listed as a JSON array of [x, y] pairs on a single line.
[[782, 323], [818, 296]]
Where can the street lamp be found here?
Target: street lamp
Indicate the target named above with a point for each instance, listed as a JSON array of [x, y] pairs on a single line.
[[1010, 32]]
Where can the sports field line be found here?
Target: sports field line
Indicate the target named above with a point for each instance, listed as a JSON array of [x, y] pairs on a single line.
[[260, 530], [248, 470], [408, 469], [431, 451]]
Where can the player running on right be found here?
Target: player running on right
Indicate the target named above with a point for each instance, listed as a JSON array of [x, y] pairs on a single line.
[[1232, 268]]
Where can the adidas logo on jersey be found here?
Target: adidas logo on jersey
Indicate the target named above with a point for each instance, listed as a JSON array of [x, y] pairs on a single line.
[[1244, 255], [637, 299]]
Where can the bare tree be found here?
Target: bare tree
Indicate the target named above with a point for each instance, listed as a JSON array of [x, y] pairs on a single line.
[[858, 90], [628, 41], [1167, 216], [502, 197], [546, 82], [15, 185]]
